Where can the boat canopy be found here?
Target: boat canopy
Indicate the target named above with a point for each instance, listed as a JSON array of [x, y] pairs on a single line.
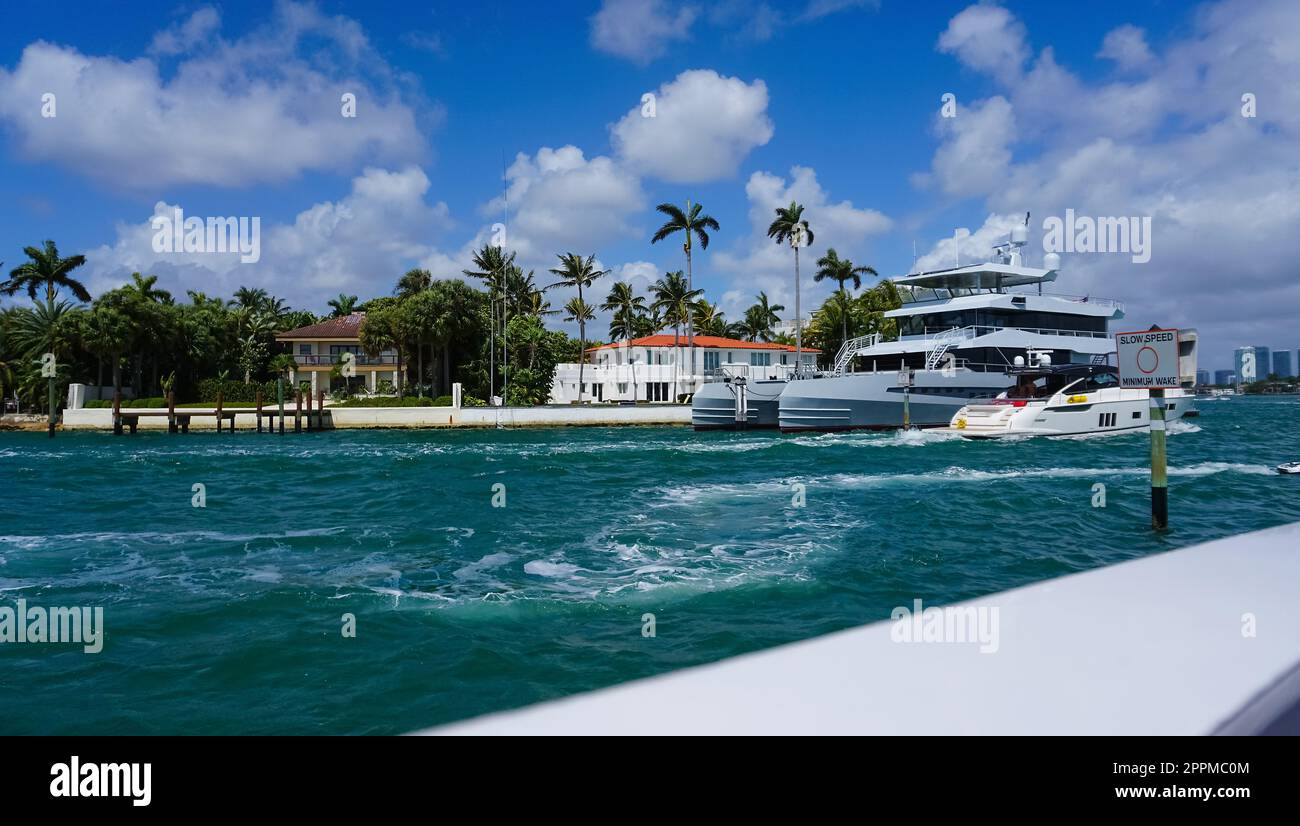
[[987, 276], [1068, 370]]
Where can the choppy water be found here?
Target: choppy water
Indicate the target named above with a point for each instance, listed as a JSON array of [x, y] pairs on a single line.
[[228, 618]]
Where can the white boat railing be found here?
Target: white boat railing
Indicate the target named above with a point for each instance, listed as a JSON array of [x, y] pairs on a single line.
[[851, 347]]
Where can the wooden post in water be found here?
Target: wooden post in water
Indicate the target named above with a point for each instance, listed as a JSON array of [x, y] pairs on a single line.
[[171, 411], [1159, 474], [53, 408], [219, 399], [297, 411], [117, 413], [320, 409], [259, 411], [279, 398]]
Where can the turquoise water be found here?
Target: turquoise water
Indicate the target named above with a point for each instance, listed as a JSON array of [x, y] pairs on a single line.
[[228, 618]]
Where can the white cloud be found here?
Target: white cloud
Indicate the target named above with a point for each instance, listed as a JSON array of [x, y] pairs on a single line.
[[560, 201], [976, 149], [757, 263], [230, 113], [184, 36], [1127, 46], [360, 243], [639, 30], [987, 38], [704, 126]]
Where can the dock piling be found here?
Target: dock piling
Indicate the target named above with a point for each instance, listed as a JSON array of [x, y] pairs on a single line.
[[259, 411], [117, 413], [320, 409], [219, 400], [1159, 469], [297, 411], [171, 411]]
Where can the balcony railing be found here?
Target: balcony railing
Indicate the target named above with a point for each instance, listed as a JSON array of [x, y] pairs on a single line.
[[362, 360]]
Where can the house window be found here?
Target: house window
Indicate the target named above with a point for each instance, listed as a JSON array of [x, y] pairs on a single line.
[[336, 349], [711, 359], [622, 388], [304, 349], [785, 358], [760, 359]]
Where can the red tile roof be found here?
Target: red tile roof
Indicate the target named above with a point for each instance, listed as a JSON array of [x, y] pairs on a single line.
[[342, 327], [666, 340]]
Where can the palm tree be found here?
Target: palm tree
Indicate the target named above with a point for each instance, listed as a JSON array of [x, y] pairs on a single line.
[[841, 271], [761, 318], [626, 305], [708, 319], [413, 282], [493, 263], [674, 299], [791, 227], [251, 298], [344, 305], [693, 224], [46, 267], [145, 299], [580, 311], [107, 334]]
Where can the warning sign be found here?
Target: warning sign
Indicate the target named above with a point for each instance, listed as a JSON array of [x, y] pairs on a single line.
[[1148, 360]]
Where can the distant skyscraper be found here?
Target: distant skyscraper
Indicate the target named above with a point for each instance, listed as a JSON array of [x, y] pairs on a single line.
[[1202, 377], [1245, 362], [1263, 363], [1282, 364], [1224, 377]]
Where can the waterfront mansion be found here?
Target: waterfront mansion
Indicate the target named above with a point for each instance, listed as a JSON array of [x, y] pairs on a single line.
[[657, 369]]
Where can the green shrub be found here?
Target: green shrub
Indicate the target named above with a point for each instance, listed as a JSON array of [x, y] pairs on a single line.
[[236, 392], [442, 401]]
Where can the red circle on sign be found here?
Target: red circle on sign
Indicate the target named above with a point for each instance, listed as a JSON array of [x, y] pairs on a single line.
[[1154, 355]]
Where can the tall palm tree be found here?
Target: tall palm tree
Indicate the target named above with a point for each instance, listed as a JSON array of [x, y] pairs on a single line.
[[107, 334], [493, 264], [626, 305], [708, 319], [580, 311], [694, 225], [790, 227], [344, 305], [673, 298], [145, 298], [576, 271], [46, 267], [841, 271]]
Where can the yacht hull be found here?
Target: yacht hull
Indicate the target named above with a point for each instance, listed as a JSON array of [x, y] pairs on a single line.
[[714, 405], [874, 401]]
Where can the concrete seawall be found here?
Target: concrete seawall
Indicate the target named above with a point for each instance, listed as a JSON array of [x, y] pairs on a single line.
[[412, 417]]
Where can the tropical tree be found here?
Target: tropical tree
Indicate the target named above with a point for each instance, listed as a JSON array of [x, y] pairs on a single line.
[[106, 333], [625, 305], [45, 267], [694, 225], [708, 319], [580, 311], [791, 227], [414, 281], [343, 305], [673, 298], [761, 318], [492, 264], [251, 298], [579, 272], [841, 271]]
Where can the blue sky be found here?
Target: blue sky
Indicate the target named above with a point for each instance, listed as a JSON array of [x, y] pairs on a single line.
[[1116, 109]]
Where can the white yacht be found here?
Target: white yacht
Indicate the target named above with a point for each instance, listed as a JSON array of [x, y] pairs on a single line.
[[961, 331], [1060, 400]]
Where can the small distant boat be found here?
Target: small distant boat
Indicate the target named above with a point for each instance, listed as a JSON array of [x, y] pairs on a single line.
[[1062, 400], [1289, 467]]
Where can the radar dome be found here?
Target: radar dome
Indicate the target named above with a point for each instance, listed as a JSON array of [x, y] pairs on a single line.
[[1019, 234], [1051, 261]]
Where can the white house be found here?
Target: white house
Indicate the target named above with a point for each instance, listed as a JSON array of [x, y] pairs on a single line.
[[654, 369]]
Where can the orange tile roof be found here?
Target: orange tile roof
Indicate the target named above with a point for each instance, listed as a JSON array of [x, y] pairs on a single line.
[[666, 340]]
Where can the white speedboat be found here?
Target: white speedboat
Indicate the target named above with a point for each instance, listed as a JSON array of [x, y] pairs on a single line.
[[1289, 468], [1063, 400]]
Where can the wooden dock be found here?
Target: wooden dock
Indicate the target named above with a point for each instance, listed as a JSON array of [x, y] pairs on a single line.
[[268, 418]]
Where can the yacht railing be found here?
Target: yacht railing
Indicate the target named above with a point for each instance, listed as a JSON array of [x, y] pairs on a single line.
[[850, 349], [987, 329]]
